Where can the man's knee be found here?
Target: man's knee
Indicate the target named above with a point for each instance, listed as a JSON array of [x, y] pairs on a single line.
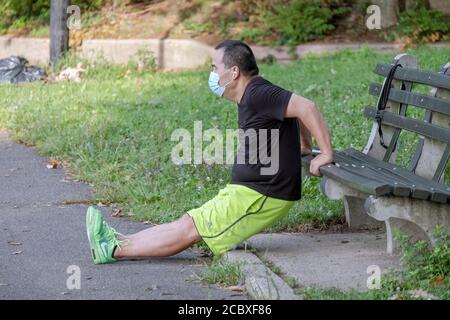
[[187, 225]]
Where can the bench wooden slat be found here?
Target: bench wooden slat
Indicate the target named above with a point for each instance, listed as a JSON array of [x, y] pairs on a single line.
[[426, 129], [415, 99], [402, 186], [439, 192], [396, 170], [419, 192], [415, 75], [397, 188], [352, 180]]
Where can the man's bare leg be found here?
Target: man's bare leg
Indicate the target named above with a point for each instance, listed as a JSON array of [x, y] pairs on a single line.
[[160, 241]]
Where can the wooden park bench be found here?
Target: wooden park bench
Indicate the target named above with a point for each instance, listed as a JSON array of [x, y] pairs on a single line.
[[374, 188]]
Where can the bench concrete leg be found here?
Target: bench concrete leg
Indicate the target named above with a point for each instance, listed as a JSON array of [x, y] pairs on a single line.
[[417, 218], [405, 226], [355, 213]]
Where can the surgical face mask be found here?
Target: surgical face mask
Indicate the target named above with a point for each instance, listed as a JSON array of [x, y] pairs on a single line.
[[214, 85]]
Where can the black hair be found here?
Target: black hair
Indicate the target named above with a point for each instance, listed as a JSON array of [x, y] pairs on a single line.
[[237, 53]]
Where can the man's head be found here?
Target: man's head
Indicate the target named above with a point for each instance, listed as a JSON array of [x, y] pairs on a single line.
[[233, 61]]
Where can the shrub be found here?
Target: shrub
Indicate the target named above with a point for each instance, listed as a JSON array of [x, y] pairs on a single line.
[[302, 20], [12, 11], [423, 263], [289, 22], [423, 25], [143, 60]]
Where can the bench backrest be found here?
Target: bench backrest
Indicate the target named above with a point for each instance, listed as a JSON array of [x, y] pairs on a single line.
[[433, 148]]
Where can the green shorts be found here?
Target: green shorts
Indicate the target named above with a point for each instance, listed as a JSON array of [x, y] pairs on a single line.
[[236, 214]]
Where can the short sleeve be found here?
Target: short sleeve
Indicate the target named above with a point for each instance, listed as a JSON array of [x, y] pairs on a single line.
[[270, 101]]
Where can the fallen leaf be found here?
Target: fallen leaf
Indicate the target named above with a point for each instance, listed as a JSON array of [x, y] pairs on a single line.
[[439, 280], [152, 288], [26, 143], [235, 288], [53, 164], [14, 243], [117, 213]]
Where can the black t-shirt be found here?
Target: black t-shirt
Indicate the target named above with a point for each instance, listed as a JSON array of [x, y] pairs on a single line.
[[263, 106]]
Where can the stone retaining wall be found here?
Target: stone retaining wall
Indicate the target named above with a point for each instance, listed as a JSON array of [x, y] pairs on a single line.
[[169, 53]]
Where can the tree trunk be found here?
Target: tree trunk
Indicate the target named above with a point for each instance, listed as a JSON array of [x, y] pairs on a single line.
[[59, 33], [413, 4], [441, 5], [389, 12]]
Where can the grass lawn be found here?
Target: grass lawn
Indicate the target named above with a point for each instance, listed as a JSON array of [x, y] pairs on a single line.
[[114, 128]]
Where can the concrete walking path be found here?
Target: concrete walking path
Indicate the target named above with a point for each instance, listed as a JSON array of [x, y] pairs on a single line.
[[41, 237], [327, 260]]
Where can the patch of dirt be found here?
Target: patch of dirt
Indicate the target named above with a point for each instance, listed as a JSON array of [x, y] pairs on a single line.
[[199, 21], [156, 19], [333, 228], [181, 19]]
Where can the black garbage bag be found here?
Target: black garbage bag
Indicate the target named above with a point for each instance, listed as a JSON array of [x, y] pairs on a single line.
[[15, 70]]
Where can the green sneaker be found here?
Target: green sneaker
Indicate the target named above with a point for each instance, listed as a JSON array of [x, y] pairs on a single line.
[[102, 238]]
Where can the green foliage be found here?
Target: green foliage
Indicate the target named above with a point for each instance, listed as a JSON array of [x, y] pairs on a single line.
[[19, 14], [253, 35], [143, 61], [302, 20], [423, 263], [25, 8], [269, 264], [199, 27], [40, 8], [425, 267], [222, 273], [224, 24], [422, 23], [292, 22], [291, 281]]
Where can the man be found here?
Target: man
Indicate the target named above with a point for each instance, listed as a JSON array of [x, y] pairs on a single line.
[[254, 199]]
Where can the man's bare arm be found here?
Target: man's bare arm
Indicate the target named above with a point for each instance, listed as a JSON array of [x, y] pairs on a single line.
[[310, 117], [305, 138]]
